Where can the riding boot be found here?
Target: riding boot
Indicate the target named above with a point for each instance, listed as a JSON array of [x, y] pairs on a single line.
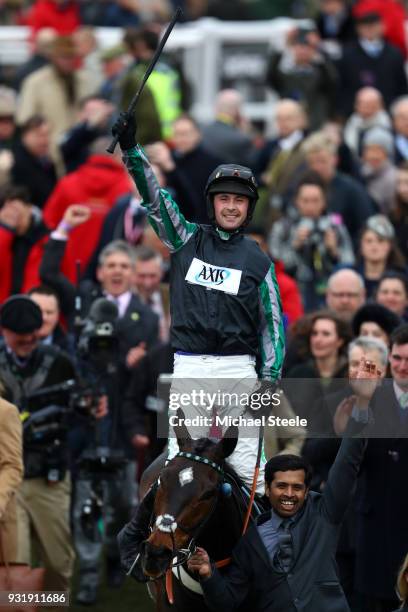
[[131, 537]]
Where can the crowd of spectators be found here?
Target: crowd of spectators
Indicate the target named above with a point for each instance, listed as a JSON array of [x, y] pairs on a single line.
[[124, 13], [332, 214]]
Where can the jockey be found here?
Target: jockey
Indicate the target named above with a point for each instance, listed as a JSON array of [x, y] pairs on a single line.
[[226, 317]]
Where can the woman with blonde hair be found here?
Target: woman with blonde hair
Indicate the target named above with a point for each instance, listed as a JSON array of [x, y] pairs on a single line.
[[402, 586], [11, 474]]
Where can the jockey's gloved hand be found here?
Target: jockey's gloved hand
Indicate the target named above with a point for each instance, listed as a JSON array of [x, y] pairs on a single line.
[[125, 128], [261, 401]]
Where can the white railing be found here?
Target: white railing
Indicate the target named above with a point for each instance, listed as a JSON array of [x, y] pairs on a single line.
[[214, 54]]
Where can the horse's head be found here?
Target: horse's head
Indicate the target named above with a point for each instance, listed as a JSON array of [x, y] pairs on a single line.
[[186, 497]]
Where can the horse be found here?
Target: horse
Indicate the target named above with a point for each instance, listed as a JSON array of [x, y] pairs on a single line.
[[199, 501]]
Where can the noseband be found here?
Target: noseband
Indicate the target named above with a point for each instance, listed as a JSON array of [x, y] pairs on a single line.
[[166, 523]]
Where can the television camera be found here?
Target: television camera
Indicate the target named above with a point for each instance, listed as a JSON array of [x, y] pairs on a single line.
[[48, 413]]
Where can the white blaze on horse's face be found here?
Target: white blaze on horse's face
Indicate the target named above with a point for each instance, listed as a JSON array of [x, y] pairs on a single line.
[[186, 476]]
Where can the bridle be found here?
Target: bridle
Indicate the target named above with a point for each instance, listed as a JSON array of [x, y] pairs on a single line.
[[166, 523]]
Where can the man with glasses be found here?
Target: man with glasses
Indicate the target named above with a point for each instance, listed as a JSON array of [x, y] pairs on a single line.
[[345, 293]]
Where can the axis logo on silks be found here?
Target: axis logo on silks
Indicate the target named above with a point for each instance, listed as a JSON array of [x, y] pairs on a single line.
[[214, 277]]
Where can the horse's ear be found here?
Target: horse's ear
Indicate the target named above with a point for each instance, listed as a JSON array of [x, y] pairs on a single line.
[[181, 431], [228, 443]]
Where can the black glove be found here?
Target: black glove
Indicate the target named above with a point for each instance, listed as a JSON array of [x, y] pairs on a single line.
[[125, 128]]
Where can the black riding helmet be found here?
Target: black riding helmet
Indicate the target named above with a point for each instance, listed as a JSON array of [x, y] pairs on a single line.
[[231, 178]]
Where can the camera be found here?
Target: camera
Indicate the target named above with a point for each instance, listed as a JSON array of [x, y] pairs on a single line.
[[98, 355], [91, 514], [47, 410], [98, 351], [101, 461], [318, 227], [98, 343]]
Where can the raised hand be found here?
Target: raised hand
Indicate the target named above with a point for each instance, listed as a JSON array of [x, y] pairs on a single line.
[[160, 154], [76, 214], [366, 381], [135, 354]]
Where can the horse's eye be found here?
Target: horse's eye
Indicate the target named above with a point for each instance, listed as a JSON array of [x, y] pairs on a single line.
[[206, 495]]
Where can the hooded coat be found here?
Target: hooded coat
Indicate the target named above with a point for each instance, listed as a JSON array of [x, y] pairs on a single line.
[[64, 18], [20, 258]]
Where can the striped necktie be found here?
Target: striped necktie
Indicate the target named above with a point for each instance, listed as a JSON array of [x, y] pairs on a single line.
[[285, 551]]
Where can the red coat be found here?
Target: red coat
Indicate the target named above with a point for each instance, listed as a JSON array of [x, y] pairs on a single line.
[[393, 16], [291, 301], [64, 18], [31, 277], [98, 183]]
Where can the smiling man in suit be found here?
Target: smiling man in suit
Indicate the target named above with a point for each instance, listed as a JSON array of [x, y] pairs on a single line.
[[286, 560], [137, 323]]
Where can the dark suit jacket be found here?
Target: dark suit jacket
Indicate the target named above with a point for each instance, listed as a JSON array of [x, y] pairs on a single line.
[[189, 179], [229, 142], [311, 584], [382, 506], [141, 415], [385, 421], [39, 178], [76, 143], [357, 69], [138, 324], [346, 32], [348, 197], [113, 228]]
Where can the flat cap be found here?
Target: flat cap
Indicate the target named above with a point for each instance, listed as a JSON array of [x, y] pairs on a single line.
[[21, 315], [112, 53]]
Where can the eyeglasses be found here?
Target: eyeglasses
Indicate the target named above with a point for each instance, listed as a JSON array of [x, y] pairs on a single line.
[[349, 295]]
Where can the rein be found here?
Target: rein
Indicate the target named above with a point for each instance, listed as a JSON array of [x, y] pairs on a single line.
[[197, 528], [227, 561], [191, 547]]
